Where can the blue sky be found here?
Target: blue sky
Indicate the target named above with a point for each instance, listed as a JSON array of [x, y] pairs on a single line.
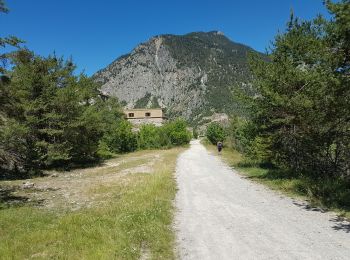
[[95, 33]]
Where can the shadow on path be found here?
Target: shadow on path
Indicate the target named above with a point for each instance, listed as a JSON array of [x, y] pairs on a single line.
[[340, 223]]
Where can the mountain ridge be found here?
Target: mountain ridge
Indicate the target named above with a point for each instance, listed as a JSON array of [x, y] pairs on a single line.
[[189, 75]]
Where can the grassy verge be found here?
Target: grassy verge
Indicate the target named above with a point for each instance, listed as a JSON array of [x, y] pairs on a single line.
[[130, 216], [327, 195]]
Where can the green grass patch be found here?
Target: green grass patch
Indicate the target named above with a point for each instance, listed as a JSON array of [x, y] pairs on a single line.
[[137, 217]]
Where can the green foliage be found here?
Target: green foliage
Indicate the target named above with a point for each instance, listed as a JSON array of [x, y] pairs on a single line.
[[155, 103], [121, 138], [215, 133], [298, 117], [147, 101], [103, 151], [229, 70], [6, 41], [149, 137], [15, 153], [142, 102], [177, 132], [173, 133], [242, 134], [50, 117]]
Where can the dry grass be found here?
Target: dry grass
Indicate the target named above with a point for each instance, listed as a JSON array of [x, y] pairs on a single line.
[[115, 211]]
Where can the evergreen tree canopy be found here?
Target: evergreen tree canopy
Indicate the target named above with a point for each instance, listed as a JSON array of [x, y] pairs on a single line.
[[50, 117], [302, 104], [6, 41]]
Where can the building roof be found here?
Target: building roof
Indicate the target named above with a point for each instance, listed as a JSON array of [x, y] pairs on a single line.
[[142, 109]]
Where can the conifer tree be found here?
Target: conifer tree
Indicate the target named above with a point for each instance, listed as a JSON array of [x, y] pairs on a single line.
[[302, 103]]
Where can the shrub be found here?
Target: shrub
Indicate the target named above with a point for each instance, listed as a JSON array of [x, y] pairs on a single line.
[[172, 133], [149, 137], [103, 150], [215, 133], [121, 139], [177, 132]]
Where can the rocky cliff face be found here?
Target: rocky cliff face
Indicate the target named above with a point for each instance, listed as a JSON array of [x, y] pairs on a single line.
[[190, 75]]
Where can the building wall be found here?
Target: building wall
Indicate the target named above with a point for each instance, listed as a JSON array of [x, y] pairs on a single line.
[[140, 121], [141, 113]]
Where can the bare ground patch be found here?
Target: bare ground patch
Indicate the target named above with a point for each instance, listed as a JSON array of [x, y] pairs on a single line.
[[81, 188], [122, 209]]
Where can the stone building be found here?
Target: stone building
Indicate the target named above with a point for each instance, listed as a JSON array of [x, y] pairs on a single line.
[[145, 116]]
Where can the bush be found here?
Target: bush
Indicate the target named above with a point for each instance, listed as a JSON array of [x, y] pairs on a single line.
[[215, 133], [103, 150], [243, 138], [170, 134], [177, 132], [121, 139], [149, 137]]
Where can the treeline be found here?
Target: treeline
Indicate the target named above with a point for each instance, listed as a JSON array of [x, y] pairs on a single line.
[[122, 138], [299, 117], [52, 118], [49, 116]]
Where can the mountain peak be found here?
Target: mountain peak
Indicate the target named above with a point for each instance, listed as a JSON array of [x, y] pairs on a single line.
[[190, 75], [216, 33]]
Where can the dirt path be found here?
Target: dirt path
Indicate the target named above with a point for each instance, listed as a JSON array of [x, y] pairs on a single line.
[[221, 215]]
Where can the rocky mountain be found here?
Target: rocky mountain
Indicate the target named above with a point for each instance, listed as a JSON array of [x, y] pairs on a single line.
[[189, 75]]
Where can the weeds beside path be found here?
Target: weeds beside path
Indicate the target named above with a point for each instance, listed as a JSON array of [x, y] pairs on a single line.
[[120, 210]]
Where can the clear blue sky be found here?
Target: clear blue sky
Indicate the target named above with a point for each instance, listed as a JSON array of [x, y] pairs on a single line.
[[95, 33]]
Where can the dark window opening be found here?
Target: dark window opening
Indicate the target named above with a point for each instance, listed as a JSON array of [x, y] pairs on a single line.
[[131, 114], [147, 114]]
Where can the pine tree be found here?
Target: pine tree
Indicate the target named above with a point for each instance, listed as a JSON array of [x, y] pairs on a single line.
[[302, 103], [61, 117]]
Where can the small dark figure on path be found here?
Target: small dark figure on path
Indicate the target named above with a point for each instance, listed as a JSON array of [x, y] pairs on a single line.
[[219, 145]]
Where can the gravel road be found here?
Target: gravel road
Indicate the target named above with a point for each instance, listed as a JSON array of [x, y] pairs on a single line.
[[222, 215]]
